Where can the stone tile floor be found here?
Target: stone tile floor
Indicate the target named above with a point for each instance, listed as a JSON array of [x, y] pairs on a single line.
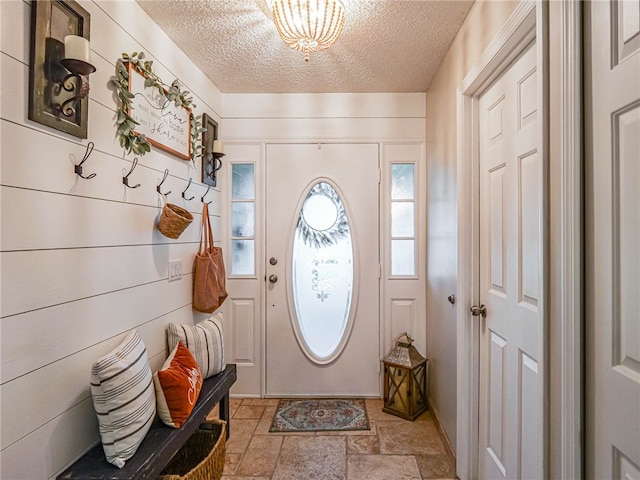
[[394, 449]]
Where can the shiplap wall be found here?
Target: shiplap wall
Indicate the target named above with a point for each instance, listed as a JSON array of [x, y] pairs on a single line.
[[82, 261]]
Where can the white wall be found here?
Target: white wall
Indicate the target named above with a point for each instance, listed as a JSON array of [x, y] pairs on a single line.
[[394, 121], [482, 23], [82, 261], [324, 117]]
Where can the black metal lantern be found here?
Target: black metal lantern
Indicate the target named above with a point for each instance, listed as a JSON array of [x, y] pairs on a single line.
[[405, 380]]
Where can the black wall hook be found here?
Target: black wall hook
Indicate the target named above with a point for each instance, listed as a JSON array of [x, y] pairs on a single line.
[[185, 190], [78, 168], [205, 194], [125, 179], [166, 174]]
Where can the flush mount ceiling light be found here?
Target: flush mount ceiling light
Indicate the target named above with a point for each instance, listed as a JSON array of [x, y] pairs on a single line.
[[308, 25]]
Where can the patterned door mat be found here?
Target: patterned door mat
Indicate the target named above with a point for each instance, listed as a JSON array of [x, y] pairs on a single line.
[[320, 415]]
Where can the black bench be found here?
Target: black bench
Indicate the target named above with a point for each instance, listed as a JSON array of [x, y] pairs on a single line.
[[162, 442]]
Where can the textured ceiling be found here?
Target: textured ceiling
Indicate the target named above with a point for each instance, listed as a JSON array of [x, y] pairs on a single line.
[[385, 46]]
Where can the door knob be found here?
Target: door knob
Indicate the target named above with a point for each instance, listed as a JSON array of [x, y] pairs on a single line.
[[480, 311], [273, 278]]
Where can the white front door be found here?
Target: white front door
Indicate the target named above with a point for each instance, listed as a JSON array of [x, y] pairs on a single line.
[[612, 231], [510, 396], [322, 270]]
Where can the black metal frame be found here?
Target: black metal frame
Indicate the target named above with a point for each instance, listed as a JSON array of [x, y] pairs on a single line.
[[52, 89], [211, 162]]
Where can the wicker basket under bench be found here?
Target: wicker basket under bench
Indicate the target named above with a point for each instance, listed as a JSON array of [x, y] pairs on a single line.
[[162, 442]]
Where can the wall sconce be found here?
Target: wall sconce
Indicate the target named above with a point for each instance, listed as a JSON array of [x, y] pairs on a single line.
[[216, 160], [213, 151], [59, 66], [77, 62]]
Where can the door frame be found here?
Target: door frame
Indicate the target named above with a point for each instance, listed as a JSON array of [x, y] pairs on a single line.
[[527, 22], [563, 197], [569, 261]]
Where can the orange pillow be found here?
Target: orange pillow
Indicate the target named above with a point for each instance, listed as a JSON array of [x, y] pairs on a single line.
[[178, 385]]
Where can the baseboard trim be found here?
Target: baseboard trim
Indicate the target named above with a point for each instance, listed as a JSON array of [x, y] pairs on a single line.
[[443, 433]]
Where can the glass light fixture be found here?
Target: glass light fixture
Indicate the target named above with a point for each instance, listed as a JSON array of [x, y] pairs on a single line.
[[308, 25]]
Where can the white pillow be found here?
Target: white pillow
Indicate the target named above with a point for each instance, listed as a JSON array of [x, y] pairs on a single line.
[[124, 398], [204, 341]]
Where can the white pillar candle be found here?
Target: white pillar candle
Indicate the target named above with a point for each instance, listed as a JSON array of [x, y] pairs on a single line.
[[218, 146], [77, 47]]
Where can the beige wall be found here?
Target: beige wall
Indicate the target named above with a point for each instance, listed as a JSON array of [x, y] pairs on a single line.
[[481, 25]]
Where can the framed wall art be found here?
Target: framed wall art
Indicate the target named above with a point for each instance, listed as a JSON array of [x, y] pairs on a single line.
[[164, 124], [150, 112]]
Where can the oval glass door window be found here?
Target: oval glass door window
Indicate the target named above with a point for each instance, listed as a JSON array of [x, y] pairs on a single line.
[[323, 272]]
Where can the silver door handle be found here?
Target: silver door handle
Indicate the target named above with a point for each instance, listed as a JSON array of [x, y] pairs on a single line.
[[273, 278], [480, 311]]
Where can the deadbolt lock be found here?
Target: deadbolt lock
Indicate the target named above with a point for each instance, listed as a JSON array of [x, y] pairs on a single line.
[[273, 261], [480, 311]]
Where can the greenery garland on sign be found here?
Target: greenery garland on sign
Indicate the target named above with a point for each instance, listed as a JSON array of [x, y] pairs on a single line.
[[329, 236], [138, 144]]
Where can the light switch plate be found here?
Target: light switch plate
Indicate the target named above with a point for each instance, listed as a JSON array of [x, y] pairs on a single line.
[[175, 270]]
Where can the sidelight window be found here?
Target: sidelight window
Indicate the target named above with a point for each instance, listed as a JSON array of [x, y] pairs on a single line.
[[243, 219], [403, 219]]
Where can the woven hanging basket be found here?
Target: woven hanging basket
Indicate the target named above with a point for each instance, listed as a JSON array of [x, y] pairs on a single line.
[[201, 457], [173, 220]]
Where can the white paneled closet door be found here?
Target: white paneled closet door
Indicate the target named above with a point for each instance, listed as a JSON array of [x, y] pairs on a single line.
[[510, 409], [613, 240]]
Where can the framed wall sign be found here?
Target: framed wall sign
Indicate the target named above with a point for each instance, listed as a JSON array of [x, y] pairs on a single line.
[[164, 124], [51, 21], [210, 163]]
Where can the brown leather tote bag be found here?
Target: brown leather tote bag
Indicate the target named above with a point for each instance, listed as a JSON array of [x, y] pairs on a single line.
[[209, 276]]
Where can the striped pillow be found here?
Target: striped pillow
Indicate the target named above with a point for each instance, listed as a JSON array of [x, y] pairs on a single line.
[[124, 398], [204, 341]]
